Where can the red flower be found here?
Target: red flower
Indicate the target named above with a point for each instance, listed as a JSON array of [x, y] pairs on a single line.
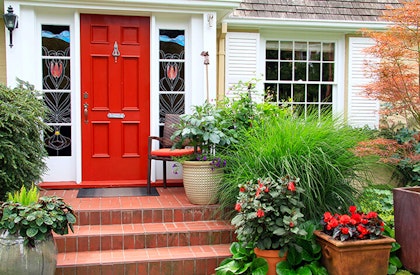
[[345, 219], [238, 207], [260, 213], [333, 223], [242, 189], [371, 215], [345, 230], [352, 209], [355, 218], [291, 224], [327, 216], [291, 186]]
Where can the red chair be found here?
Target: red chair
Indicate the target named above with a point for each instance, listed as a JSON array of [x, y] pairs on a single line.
[[165, 153]]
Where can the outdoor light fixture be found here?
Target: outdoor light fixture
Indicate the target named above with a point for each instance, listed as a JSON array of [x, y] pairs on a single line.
[[11, 23]]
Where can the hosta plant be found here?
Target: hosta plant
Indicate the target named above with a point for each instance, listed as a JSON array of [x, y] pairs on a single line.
[[36, 220], [269, 212]]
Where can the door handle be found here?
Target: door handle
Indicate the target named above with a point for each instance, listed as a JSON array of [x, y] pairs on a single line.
[[86, 112]]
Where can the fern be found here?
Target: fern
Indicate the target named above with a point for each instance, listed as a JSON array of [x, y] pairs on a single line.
[[23, 196]]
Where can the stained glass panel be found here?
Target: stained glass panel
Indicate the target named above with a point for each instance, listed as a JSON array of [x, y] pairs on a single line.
[[172, 44], [55, 40], [56, 74], [58, 140], [59, 105], [171, 104], [171, 76]]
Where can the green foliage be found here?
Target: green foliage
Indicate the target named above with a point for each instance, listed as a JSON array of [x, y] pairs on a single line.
[[21, 148], [318, 151], [23, 196], [243, 261], [37, 220], [304, 255]]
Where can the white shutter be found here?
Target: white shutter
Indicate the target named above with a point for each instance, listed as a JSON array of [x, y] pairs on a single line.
[[241, 57], [362, 111]]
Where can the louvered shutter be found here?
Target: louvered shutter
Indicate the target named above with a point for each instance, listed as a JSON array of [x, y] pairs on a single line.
[[241, 57], [362, 111]]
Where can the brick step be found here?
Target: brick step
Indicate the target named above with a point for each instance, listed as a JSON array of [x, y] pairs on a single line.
[[148, 215], [188, 260], [147, 235]]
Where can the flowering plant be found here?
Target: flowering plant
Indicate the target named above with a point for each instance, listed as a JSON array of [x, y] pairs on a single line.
[[353, 226], [269, 212]]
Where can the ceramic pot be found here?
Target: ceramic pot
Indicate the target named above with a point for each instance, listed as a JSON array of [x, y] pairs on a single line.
[[19, 259], [406, 218], [272, 257], [354, 257], [201, 181]]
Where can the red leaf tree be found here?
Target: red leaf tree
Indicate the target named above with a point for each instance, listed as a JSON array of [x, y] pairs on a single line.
[[396, 70]]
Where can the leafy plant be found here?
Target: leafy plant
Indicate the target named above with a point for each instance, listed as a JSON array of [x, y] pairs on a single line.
[[23, 196], [243, 261], [21, 148], [36, 220], [304, 255], [269, 213], [315, 150]]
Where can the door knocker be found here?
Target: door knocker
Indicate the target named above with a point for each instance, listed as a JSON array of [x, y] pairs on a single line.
[[115, 52]]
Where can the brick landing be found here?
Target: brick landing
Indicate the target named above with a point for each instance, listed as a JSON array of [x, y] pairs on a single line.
[[142, 235]]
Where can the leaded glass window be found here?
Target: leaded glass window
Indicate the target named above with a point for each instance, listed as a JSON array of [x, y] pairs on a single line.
[[56, 88], [171, 73], [300, 72]]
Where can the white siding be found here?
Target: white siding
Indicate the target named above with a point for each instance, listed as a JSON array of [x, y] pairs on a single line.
[[241, 57], [362, 111]]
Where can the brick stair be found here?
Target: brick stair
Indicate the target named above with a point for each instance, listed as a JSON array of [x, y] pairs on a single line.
[[188, 239]]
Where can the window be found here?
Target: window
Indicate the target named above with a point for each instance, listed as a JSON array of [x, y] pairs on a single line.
[[301, 72], [56, 88], [171, 73]]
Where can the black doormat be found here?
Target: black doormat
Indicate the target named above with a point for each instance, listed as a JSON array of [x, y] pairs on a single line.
[[116, 192]]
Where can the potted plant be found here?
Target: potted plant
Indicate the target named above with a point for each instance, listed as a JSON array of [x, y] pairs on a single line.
[[207, 131], [354, 240], [26, 225], [269, 215]]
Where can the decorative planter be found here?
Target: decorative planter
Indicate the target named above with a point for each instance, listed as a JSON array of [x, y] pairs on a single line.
[[19, 259], [272, 257], [355, 257], [407, 220], [201, 181]]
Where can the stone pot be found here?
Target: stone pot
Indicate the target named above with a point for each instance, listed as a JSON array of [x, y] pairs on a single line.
[[407, 220], [354, 257], [272, 257], [19, 259], [201, 181]]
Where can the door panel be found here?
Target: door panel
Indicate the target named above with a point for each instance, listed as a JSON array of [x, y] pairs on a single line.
[[115, 97]]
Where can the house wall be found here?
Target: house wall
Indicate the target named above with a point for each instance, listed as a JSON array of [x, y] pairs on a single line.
[[2, 49]]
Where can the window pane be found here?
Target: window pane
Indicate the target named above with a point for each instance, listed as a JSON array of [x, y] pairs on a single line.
[[270, 92], [171, 44], [272, 50], [56, 74], [286, 70], [58, 140], [300, 71], [328, 52], [286, 50], [328, 72], [59, 107], [313, 93], [301, 51], [171, 76], [326, 93], [285, 92], [314, 71], [272, 70], [55, 40], [171, 104], [314, 51], [298, 93]]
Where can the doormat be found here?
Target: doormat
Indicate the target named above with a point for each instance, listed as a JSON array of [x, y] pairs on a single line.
[[116, 192]]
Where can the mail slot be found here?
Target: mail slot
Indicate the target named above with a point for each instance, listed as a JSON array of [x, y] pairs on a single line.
[[116, 115]]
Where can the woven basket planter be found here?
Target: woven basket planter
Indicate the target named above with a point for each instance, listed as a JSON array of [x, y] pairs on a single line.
[[201, 181]]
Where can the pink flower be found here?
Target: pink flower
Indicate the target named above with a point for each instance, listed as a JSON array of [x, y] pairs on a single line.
[[260, 213], [238, 207], [291, 186]]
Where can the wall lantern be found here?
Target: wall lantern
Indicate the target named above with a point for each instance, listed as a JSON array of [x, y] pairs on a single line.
[[10, 22]]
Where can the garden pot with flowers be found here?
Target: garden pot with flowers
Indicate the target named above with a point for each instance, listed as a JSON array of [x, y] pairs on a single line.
[[207, 131], [353, 243], [269, 215]]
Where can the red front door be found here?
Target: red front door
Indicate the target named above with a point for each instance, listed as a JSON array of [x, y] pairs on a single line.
[[115, 60]]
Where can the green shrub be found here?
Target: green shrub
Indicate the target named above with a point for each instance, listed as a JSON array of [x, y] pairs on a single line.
[[318, 151], [21, 148]]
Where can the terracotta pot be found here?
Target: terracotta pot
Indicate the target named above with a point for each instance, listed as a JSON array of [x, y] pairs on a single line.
[[201, 181], [407, 234], [355, 257], [272, 257]]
